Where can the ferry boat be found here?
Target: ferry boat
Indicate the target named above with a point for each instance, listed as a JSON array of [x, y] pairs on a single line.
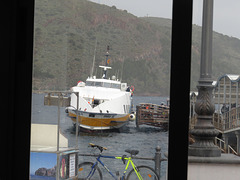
[[103, 103]]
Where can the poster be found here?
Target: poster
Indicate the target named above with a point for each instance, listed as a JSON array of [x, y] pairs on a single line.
[[43, 166], [72, 164]]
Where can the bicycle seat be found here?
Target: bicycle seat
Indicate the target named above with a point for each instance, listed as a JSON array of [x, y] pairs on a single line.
[[132, 152]]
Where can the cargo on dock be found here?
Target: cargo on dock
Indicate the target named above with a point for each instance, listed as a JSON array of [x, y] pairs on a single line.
[[152, 114]]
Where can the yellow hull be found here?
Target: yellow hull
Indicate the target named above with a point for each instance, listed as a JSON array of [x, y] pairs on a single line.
[[100, 123]]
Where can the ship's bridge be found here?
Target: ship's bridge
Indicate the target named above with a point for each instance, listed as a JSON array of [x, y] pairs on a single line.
[[104, 83]]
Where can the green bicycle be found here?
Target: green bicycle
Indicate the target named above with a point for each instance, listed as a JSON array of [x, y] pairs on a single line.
[[91, 171]]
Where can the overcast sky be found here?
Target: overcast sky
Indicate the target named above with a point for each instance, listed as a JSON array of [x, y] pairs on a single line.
[[226, 12]]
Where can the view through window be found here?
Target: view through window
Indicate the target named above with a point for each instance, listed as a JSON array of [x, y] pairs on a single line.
[[78, 99], [214, 114]]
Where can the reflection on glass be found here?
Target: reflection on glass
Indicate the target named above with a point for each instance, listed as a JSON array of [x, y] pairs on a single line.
[[206, 151], [72, 39]]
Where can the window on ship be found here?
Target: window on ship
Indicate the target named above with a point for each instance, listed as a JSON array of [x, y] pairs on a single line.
[[90, 83], [116, 86], [107, 85], [96, 102], [98, 84]]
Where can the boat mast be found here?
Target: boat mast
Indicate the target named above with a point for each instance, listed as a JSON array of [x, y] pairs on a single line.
[[91, 75], [122, 70], [106, 65]]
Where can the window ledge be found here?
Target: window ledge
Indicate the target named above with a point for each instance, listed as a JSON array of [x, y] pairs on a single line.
[[223, 159]]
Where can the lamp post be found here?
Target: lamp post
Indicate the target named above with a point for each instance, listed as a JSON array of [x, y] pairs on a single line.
[[204, 131]]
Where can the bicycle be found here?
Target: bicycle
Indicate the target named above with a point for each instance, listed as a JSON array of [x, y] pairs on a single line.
[[91, 171]]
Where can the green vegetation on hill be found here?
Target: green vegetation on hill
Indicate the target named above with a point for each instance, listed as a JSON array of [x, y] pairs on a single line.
[[140, 48]]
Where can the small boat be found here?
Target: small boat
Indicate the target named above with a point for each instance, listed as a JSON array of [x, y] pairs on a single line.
[[103, 103]]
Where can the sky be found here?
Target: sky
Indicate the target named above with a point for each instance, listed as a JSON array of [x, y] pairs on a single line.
[[226, 18]]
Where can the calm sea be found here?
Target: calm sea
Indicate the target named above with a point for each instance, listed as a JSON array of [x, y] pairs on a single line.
[[145, 139]]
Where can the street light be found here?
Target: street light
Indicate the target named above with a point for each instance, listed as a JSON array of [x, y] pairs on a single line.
[[204, 131]]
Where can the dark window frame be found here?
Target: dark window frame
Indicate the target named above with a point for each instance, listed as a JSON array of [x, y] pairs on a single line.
[[17, 74], [16, 69], [180, 89]]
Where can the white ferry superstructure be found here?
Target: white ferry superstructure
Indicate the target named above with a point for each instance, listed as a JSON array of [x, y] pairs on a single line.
[[102, 103]]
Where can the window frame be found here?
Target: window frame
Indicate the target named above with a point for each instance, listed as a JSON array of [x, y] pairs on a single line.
[[180, 89], [17, 87]]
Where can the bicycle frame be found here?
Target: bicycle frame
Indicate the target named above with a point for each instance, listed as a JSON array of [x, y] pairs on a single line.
[[129, 160]]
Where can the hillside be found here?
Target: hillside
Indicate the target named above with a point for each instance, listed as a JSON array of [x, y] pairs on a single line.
[[226, 52], [65, 36]]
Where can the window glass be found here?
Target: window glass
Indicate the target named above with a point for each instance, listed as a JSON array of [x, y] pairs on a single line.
[[107, 85], [90, 83], [116, 86], [99, 84], [221, 110], [72, 38]]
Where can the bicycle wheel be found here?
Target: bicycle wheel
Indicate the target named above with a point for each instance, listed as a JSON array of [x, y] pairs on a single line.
[[85, 172], [145, 172]]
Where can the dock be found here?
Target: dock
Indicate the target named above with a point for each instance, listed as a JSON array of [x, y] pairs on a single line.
[[152, 114], [226, 118]]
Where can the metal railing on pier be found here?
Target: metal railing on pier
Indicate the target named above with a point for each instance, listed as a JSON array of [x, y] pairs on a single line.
[[227, 121], [221, 144], [157, 159]]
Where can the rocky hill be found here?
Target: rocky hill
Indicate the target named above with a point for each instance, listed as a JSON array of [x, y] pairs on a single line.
[[140, 48]]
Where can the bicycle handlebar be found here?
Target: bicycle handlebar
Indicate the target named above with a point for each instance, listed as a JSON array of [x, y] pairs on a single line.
[[97, 146]]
